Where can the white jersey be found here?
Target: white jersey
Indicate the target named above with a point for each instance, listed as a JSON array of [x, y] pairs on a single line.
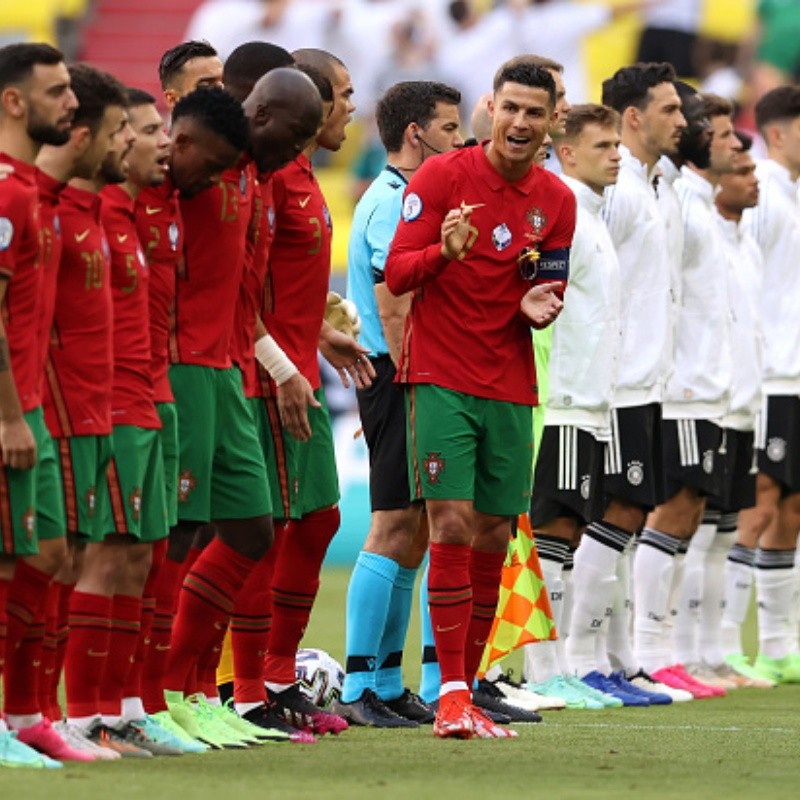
[[586, 335], [670, 205], [745, 267], [699, 387], [775, 225], [639, 234]]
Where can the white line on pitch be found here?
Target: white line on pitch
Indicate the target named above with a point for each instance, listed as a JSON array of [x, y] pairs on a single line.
[[722, 728]]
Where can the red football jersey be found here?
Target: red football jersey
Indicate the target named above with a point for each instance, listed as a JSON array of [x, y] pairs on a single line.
[[20, 265], [215, 226], [160, 228], [251, 293], [299, 266], [465, 330], [132, 398], [50, 254], [79, 371]]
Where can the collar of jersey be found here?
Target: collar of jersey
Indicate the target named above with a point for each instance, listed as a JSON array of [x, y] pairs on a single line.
[[629, 161], [587, 198], [22, 171], [83, 199], [699, 185], [117, 198], [781, 174]]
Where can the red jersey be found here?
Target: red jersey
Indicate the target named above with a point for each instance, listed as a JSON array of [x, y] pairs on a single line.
[[79, 370], [132, 397], [50, 254], [215, 225], [300, 266], [160, 228], [20, 266], [251, 292], [465, 330]]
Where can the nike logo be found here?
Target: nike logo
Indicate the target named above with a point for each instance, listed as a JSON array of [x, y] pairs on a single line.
[[304, 201], [93, 654], [444, 629], [122, 237], [162, 647], [36, 664], [479, 643], [79, 237], [150, 211]]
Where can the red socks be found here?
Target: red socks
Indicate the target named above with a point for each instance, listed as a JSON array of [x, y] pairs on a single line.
[[48, 654], [25, 610], [48, 687], [251, 623], [87, 651], [450, 601], [204, 607], [295, 587], [485, 571], [126, 612]]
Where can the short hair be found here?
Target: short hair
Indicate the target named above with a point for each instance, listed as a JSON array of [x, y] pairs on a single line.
[[578, 117], [96, 91], [716, 106], [630, 86], [778, 105], [745, 139], [251, 61], [538, 61], [174, 60], [218, 111], [18, 60], [516, 71], [139, 97], [407, 102], [322, 60], [324, 86]]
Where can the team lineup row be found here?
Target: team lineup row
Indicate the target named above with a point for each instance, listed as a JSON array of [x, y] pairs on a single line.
[[137, 529]]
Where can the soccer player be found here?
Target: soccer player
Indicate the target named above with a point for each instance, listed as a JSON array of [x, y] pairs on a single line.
[[188, 66], [484, 243], [775, 225], [36, 107], [652, 122], [305, 484], [698, 391], [416, 119]]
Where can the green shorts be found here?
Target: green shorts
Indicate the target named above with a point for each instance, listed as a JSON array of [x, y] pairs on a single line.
[[222, 474], [469, 448], [136, 502], [168, 415], [302, 475], [84, 463], [31, 500]]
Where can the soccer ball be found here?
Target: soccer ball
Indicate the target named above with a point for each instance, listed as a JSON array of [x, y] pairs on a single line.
[[320, 676]]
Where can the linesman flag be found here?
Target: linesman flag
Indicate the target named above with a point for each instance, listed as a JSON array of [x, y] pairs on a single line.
[[523, 609]]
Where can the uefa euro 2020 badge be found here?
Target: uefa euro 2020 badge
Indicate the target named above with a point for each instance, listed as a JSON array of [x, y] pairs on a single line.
[[172, 231], [501, 237]]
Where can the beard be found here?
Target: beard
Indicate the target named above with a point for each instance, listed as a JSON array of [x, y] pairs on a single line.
[[112, 171], [43, 133]]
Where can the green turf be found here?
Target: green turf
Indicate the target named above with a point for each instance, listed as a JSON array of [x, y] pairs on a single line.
[[746, 745]]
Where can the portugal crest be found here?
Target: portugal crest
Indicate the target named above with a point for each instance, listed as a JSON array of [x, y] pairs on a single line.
[[186, 484], [434, 467]]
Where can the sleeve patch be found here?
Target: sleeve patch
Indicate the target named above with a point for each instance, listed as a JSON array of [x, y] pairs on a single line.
[[6, 233], [554, 265], [412, 207]]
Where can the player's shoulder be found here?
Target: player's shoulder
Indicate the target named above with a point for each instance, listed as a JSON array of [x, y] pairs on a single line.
[[552, 185]]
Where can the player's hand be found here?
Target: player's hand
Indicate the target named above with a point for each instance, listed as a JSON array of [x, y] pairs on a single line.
[[342, 314], [541, 304], [17, 444], [455, 231], [294, 398], [348, 358]]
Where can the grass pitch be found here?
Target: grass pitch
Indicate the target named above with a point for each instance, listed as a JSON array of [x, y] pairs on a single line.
[[746, 745]]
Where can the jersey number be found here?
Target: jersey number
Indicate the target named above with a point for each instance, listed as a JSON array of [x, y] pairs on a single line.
[[95, 267], [317, 234], [230, 202]]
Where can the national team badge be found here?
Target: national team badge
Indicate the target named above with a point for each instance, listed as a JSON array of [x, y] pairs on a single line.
[[412, 207], [776, 449], [6, 233], [29, 523], [173, 234], [327, 215], [434, 467], [538, 220], [635, 473], [135, 502], [186, 485], [501, 237], [243, 184]]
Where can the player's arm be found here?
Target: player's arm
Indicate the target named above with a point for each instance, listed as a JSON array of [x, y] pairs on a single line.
[[295, 394], [16, 439], [393, 312], [429, 234]]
